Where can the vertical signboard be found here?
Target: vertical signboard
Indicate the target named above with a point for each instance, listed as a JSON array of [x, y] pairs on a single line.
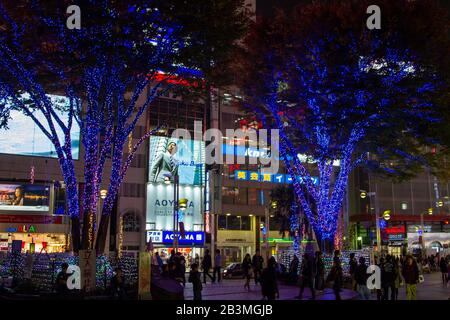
[[144, 275], [87, 270]]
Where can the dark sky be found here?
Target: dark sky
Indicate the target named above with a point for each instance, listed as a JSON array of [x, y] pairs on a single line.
[[266, 7]]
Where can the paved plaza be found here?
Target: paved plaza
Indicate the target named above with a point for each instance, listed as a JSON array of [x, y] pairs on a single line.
[[430, 289]]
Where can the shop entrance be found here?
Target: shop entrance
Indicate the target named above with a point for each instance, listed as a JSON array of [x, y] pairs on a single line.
[[37, 242]]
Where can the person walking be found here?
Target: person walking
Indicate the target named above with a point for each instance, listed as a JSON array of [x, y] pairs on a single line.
[[352, 268], [194, 278], [182, 269], [319, 282], [411, 276], [246, 268], [217, 266], [307, 277], [388, 278], [361, 277], [269, 285], [336, 276], [293, 270], [444, 271], [257, 263], [206, 265], [398, 277], [118, 285], [61, 280]]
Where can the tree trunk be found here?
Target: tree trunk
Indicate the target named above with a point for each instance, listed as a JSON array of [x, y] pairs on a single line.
[[75, 233], [87, 242], [102, 233]]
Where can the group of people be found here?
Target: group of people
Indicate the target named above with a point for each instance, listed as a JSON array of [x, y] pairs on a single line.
[[395, 271], [312, 273]]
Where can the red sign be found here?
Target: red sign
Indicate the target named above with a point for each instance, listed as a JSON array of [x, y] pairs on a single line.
[[395, 230], [30, 219]]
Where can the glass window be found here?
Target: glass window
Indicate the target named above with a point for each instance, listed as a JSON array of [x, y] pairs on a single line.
[[233, 223], [241, 197], [253, 196], [131, 222], [228, 195], [245, 223], [222, 222]]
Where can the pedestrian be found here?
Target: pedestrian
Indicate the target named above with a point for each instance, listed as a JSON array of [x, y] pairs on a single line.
[[293, 270], [411, 276], [194, 278], [307, 277], [257, 263], [217, 266], [182, 268], [118, 285], [361, 277], [352, 267], [246, 268], [398, 277], [379, 263], [206, 265], [61, 279], [320, 272], [444, 271], [336, 276], [197, 259], [388, 278], [269, 285]]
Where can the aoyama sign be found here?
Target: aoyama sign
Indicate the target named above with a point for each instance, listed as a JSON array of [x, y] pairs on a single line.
[[160, 203]]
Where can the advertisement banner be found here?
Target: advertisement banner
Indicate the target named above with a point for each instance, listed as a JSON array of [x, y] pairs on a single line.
[[144, 275], [24, 137], [24, 197], [160, 201], [170, 157]]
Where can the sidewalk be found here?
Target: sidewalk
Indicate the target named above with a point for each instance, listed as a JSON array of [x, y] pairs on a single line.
[[234, 290]]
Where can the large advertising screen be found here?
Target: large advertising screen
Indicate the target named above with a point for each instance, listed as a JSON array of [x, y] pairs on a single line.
[[24, 197], [170, 157], [23, 136], [160, 202]]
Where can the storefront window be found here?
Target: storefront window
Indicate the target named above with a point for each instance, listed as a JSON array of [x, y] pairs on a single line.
[[222, 222], [245, 223], [233, 223]]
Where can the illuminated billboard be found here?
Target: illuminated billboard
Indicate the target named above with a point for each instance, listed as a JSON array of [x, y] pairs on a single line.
[[24, 197], [160, 200], [170, 157], [24, 137]]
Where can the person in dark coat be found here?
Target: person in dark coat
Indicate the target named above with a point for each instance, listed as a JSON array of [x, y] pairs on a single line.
[[320, 272], [194, 278], [61, 280], [293, 270], [246, 268], [336, 276], [307, 276], [118, 285], [352, 268], [444, 271], [388, 278], [411, 276], [257, 263], [361, 277], [206, 265], [269, 285]]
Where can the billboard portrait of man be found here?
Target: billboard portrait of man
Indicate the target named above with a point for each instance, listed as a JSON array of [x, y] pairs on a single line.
[[165, 164]]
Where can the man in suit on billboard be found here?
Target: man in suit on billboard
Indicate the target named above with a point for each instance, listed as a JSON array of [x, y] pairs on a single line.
[[165, 164]]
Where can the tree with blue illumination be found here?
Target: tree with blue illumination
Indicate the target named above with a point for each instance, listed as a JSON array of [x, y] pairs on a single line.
[[345, 96], [126, 54]]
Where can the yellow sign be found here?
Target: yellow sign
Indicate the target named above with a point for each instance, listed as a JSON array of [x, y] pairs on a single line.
[[254, 176], [144, 275]]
